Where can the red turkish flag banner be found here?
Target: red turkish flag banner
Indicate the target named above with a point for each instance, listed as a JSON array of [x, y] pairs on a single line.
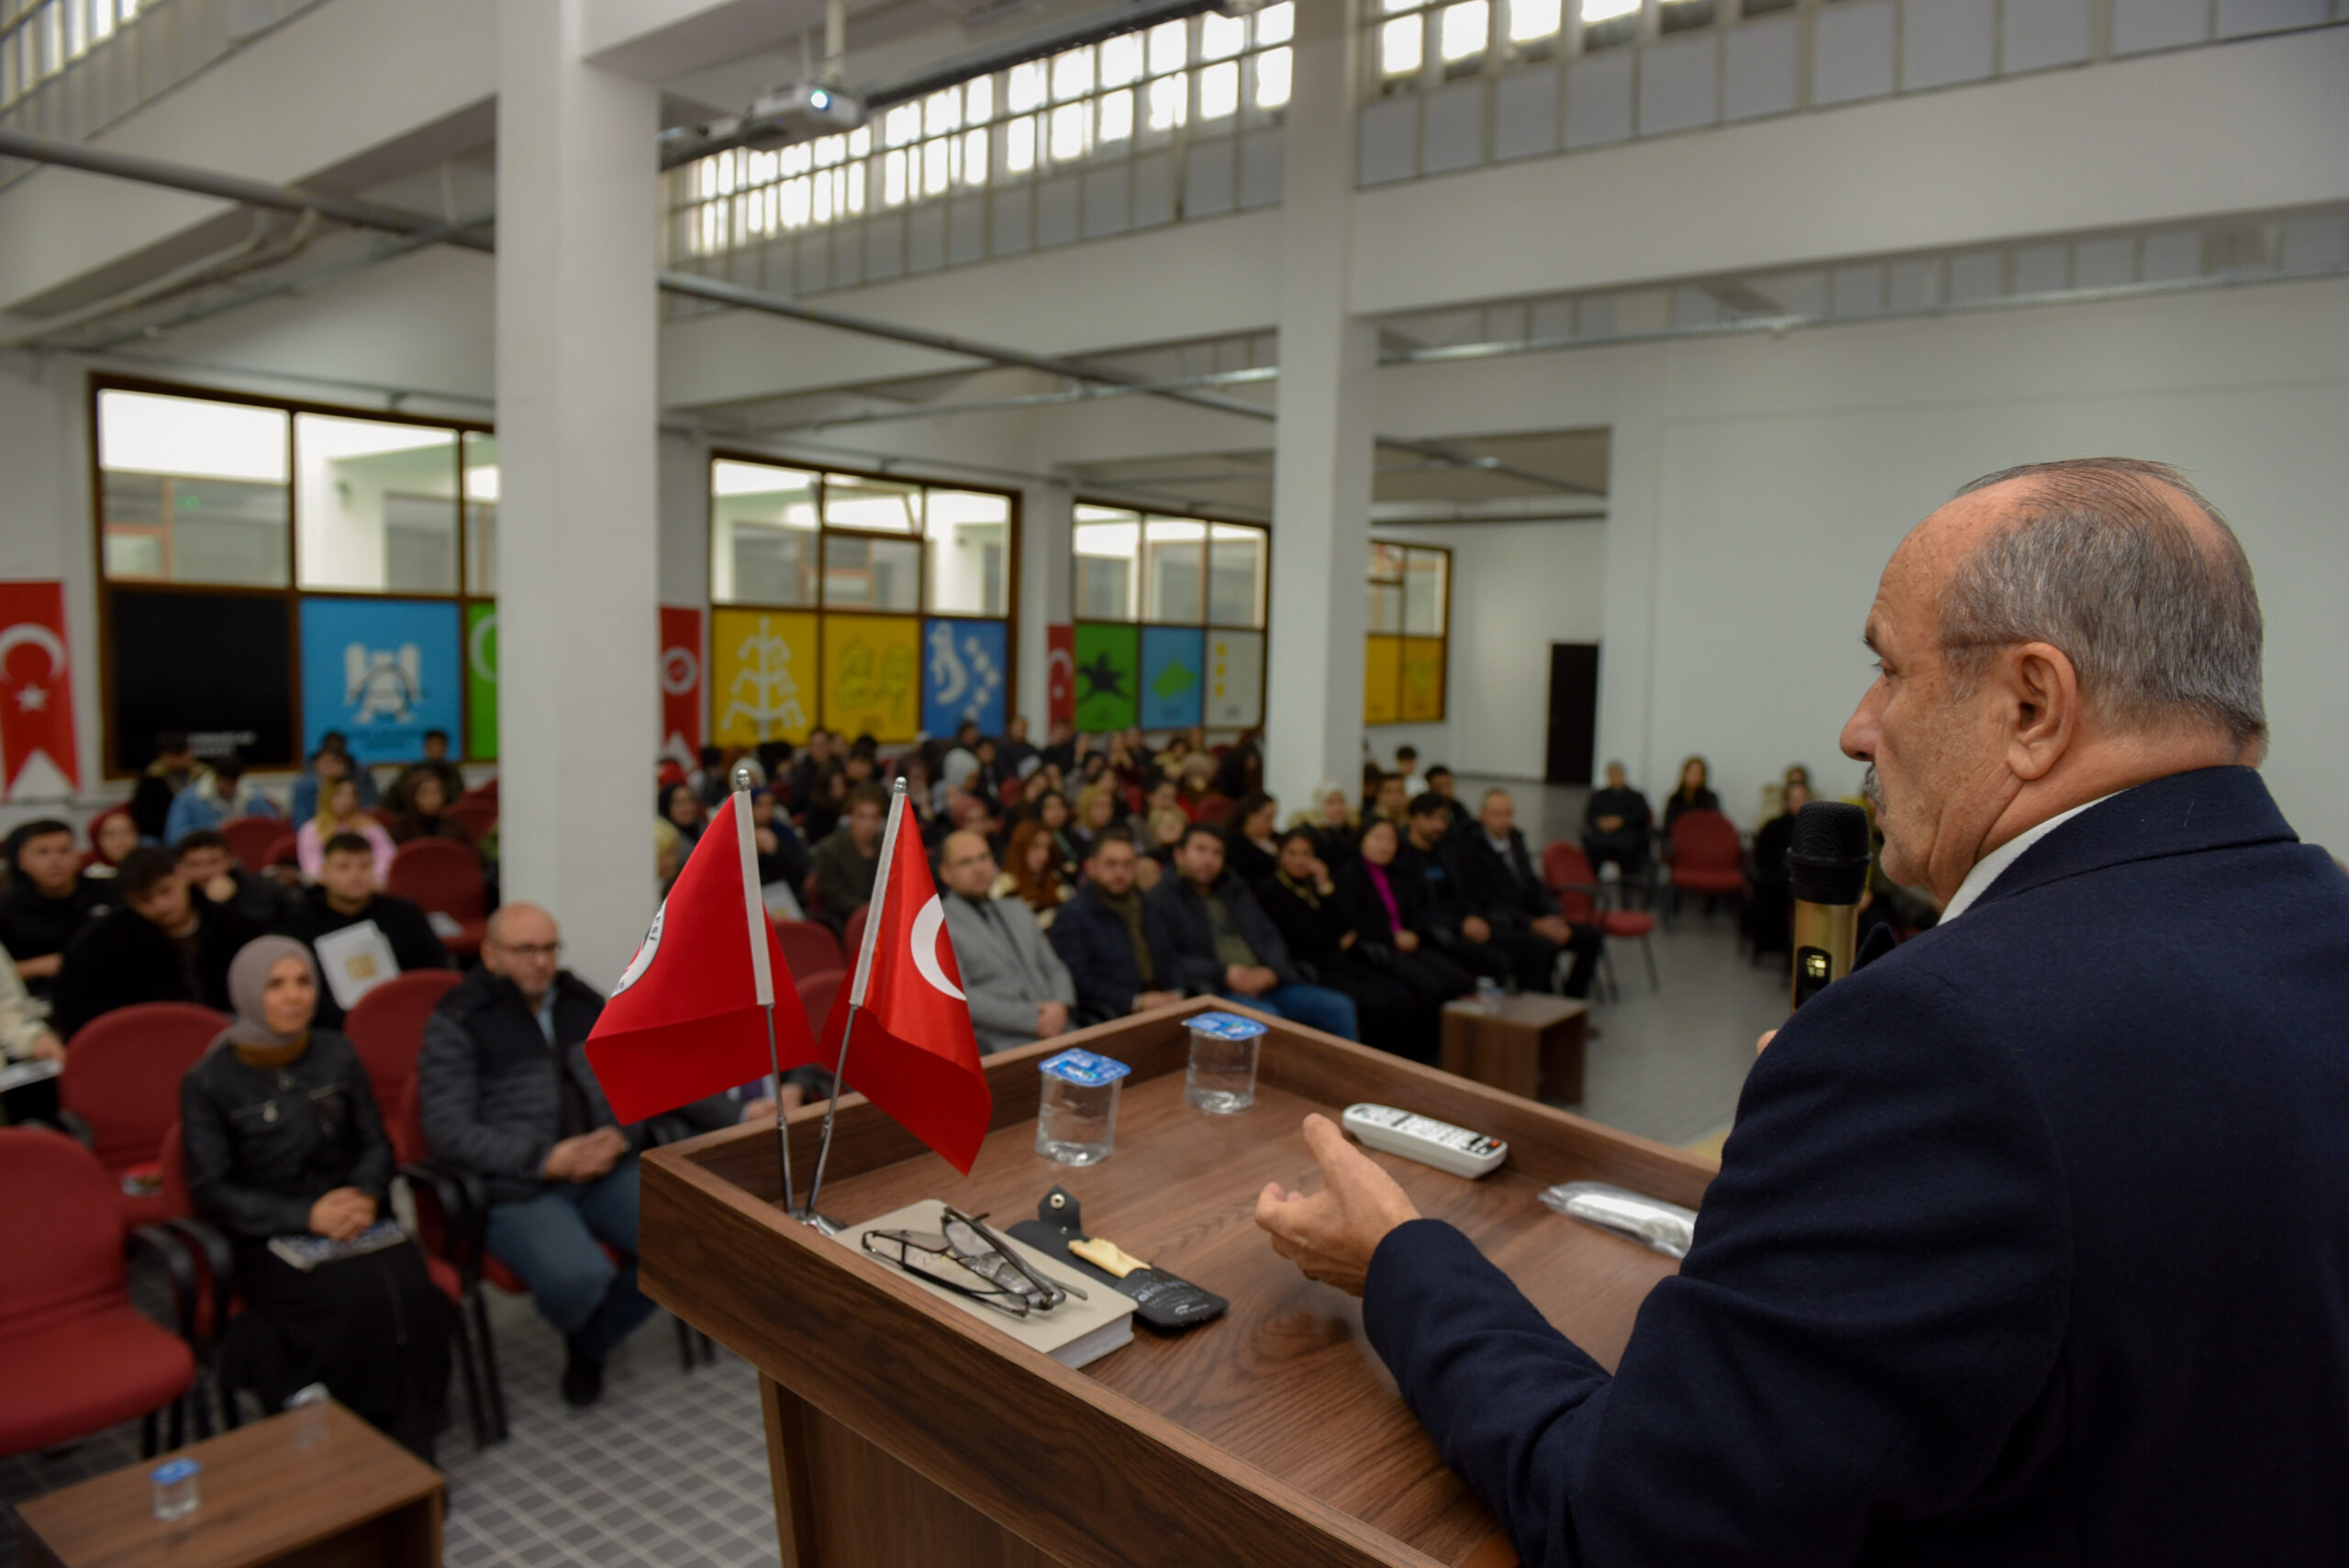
[[913, 1053], [1059, 675], [681, 684], [688, 1017], [37, 756]]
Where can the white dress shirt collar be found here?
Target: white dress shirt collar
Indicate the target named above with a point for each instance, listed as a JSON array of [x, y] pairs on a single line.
[[1991, 867]]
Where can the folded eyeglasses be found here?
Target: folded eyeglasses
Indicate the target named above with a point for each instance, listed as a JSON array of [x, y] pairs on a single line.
[[970, 1259]]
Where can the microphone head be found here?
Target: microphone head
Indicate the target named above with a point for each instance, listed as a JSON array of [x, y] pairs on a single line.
[[1828, 861]]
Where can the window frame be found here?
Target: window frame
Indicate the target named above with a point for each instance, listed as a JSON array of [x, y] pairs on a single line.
[[820, 474], [1403, 637], [1210, 521], [291, 590]]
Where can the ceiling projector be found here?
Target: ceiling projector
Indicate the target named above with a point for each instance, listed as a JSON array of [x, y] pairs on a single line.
[[783, 114]]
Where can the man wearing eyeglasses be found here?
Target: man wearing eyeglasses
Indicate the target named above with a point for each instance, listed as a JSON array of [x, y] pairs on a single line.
[[507, 1094]]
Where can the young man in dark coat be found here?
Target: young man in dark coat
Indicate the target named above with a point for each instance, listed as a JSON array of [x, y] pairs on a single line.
[[346, 896], [1224, 945], [1114, 941], [164, 942]]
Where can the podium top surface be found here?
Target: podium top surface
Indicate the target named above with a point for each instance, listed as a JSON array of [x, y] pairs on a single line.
[[1282, 1400]]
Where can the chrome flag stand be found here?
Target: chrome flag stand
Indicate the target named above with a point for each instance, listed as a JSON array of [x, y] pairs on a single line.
[[746, 841], [855, 1005]]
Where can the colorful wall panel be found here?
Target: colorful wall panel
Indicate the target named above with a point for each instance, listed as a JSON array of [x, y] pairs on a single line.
[[1172, 657], [1108, 675], [1422, 671], [383, 672], [1382, 678], [872, 675], [1235, 680], [480, 682], [965, 664], [762, 676]]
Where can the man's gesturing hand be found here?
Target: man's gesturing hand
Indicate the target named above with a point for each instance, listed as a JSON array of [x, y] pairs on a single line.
[[1331, 1235]]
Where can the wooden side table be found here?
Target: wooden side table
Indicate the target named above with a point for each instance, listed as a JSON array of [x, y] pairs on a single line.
[[1527, 1044], [353, 1497]]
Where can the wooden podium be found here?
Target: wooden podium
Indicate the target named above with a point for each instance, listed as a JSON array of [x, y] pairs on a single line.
[[904, 1433]]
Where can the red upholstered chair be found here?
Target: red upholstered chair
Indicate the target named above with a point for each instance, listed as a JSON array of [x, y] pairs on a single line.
[[485, 790], [251, 840], [809, 948], [75, 1356], [387, 1028], [1707, 857], [853, 934], [476, 817], [815, 995], [1010, 792], [384, 815], [286, 852], [444, 875], [120, 1089], [1566, 870]]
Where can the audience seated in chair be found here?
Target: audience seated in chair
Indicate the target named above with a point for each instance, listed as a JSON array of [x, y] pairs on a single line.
[[1033, 874], [1397, 1003], [282, 1138], [506, 1097], [844, 865], [1499, 881], [49, 900], [1251, 839], [211, 797], [1119, 952], [1615, 825], [164, 942], [172, 770], [24, 1034], [332, 762], [1481, 939], [1388, 909], [1019, 988], [204, 860], [1225, 945], [1769, 912], [1692, 794], [346, 896], [342, 812], [424, 810], [435, 764]]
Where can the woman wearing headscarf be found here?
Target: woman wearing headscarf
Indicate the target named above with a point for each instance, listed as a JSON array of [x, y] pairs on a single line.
[[285, 1149], [112, 835]]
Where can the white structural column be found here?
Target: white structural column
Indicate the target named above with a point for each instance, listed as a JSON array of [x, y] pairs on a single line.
[[1046, 517], [578, 508], [1323, 443]]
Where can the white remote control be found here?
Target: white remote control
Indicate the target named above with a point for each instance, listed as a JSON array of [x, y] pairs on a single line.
[[1425, 1140]]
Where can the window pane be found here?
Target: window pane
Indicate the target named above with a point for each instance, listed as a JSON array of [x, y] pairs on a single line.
[[874, 504], [1463, 29], [872, 573], [1385, 562], [970, 553], [191, 492], [1122, 60], [377, 506], [1423, 573], [1116, 114], [1219, 90], [1108, 551], [1170, 48], [762, 535], [1170, 102], [1530, 20], [1235, 577], [1221, 37], [1073, 74], [1385, 608], [1276, 24], [1177, 569], [1398, 46], [481, 514]]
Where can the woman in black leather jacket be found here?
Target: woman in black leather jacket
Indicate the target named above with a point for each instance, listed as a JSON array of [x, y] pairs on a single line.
[[285, 1150]]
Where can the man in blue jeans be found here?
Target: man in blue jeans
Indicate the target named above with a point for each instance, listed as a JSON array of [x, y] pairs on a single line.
[[1226, 944], [506, 1095]]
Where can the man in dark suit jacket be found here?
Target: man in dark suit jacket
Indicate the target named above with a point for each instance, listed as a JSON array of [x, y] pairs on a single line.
[[1116, 945], [1498, 878], [2028, 1246], [165, 942]]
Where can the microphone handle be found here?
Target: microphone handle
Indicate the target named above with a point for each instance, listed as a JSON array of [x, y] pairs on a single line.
[[1825, 937]]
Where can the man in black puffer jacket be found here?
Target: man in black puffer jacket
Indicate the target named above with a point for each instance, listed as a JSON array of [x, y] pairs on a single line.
[[507, 1095]]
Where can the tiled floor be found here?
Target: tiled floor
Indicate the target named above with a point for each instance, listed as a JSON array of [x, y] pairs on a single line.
[[670, 1469]]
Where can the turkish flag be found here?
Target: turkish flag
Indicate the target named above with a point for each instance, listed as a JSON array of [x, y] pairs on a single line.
[[681, 706], [37, 756], [688, 1017], [913, 1053]]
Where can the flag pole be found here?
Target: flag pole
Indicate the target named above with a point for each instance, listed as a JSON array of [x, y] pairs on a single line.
[[754, 911], [856, 994]]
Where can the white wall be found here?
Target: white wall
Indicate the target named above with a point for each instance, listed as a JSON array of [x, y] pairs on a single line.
[[1789, 469]]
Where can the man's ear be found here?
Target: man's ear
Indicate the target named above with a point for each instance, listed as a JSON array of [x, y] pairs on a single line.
[[2042, 706]]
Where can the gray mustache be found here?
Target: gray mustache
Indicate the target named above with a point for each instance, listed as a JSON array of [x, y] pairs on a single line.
[[1872, 790]]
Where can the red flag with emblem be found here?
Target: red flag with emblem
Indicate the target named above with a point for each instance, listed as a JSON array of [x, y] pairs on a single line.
[[689, 1017], [913, 1053]]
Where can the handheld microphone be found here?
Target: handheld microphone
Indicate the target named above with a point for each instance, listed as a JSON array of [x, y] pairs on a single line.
[[1828, 863]]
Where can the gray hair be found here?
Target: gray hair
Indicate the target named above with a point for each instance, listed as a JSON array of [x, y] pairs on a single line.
[[2097, 557]]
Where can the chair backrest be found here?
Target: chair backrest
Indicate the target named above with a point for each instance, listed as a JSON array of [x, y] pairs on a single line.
[[809, 948], [852, 933], [250, 839], [384, 815], [61, 1231], [476, 817], [387, 1030], [485, 790], [1706, 840], [122, 1075], [403, 1121], [439, 874], [1009, 792], [1564, 865], [171, 1164], [1216, 811], [286, 852], [817, 994]]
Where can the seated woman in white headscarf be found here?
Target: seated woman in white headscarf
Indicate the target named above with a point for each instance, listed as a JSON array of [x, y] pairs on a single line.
[[284, 1147]]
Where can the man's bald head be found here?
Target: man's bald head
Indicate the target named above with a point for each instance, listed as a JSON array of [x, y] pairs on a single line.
[[522, 943], [2123, 565]]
